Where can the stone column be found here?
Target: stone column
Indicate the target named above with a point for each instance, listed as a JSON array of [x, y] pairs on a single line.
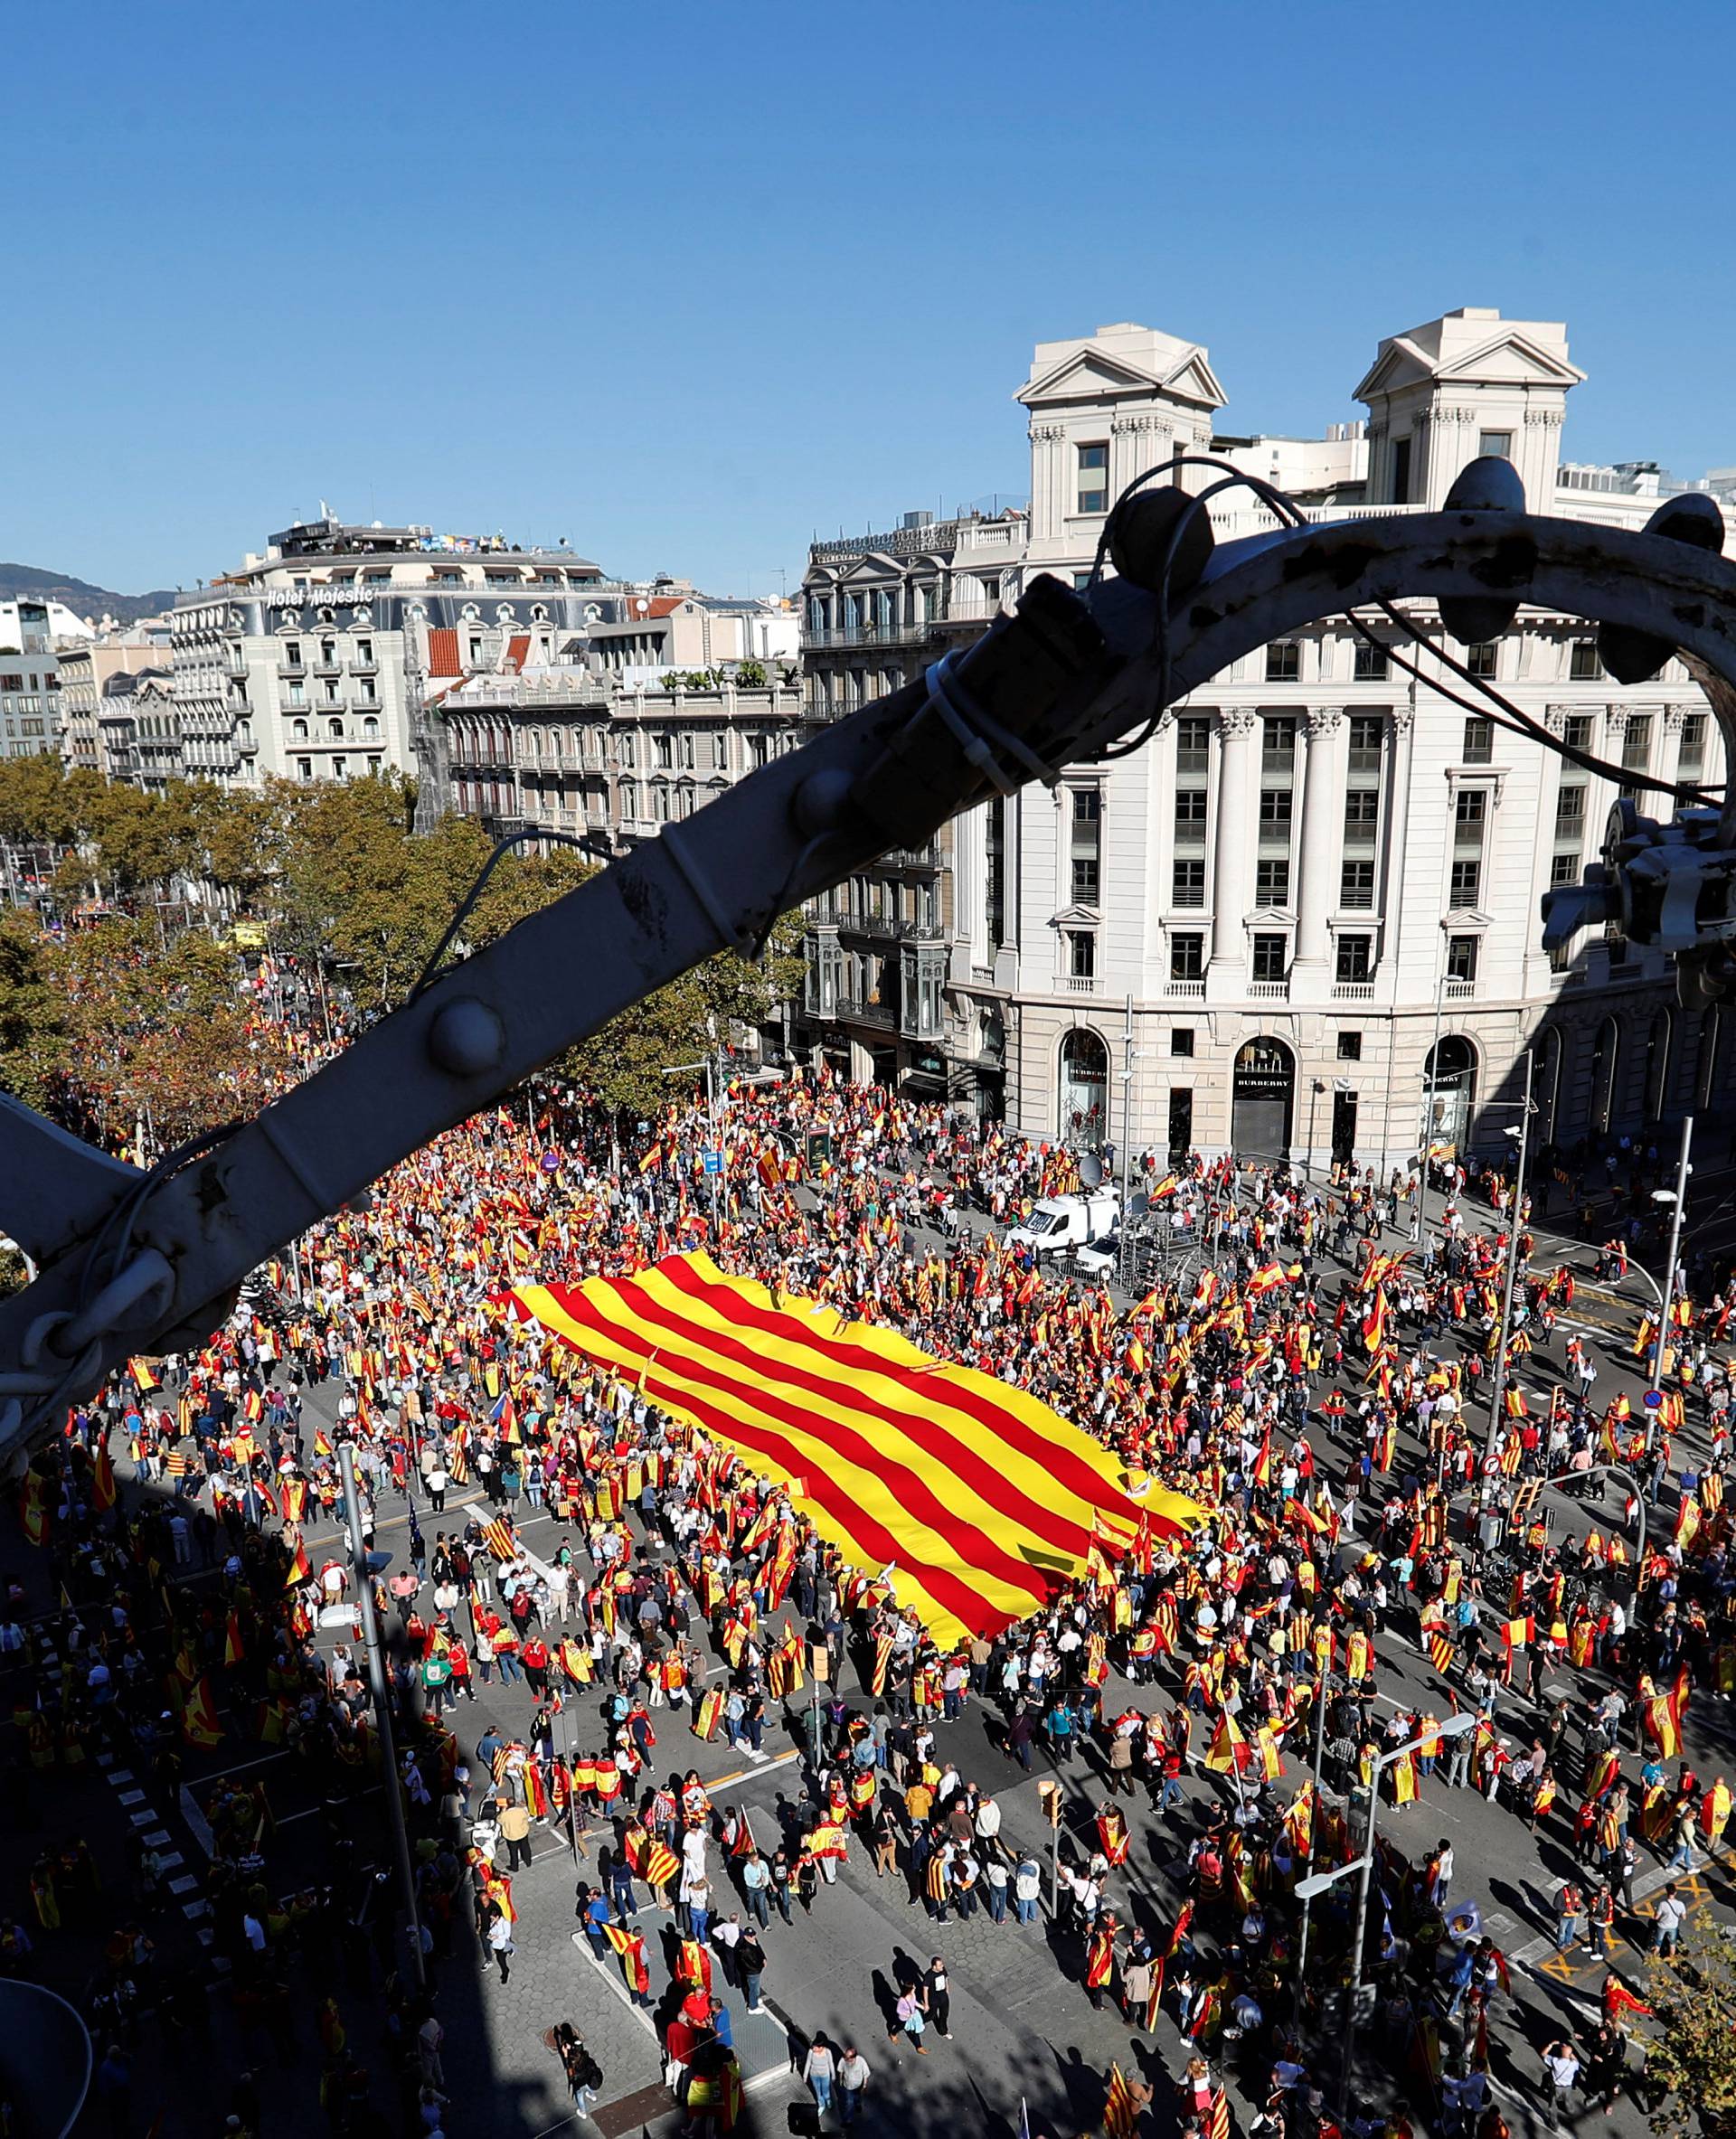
[[1238, 783], [1318, 854]]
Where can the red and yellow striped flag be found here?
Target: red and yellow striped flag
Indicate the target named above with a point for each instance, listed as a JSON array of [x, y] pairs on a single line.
[[1121, 2111], [975, 1494]]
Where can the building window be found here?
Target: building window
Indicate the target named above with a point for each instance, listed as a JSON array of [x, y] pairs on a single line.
[[1086, 854], [1350, 1047], [1193, 745], [1283, 661], [1081, 954], [994, 873], [1094, 477], [666, 753], [1465, 883], [1470, 814], [1362, 816], [1461, 958], [1637, 744], [1564, 869], [1570, 813], [1479, 658], [1494, 444], [1270, 953], [1583, 663], [1479, 739], [1187, 956], [1181, 1039], [1576, 731], [1275, 805], [1366, 731], [303, 769], [1189, 886], [1357, 887], [1371, 663], [1355, 957], [1190, 817], [298, 730], [1271, 883], [1691, 754], [1402, 471]]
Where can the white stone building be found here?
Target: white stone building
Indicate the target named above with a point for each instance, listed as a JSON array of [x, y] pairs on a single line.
[[1319, 881]]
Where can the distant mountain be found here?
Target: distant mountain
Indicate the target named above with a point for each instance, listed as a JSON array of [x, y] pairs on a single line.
[[80, 595]]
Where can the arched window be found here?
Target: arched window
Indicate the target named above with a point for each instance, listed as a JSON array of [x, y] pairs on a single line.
[[1449, 1094], [1606, 1058], [370, 728], [335, 728], [1084, 1088], [1262, 1099], [1657, 1066], [298, 730]]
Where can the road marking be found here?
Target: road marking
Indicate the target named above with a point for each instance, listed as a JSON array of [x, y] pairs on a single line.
[[744, 1774]]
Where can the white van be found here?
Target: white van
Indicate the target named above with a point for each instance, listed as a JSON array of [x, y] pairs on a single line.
[[1061, 1222]]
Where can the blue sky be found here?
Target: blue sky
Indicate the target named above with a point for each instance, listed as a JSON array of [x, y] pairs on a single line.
[[686, 284]]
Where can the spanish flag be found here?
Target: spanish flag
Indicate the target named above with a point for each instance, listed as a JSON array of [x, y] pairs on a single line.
[[102, 1478], [199, 1724], [301, 1568], [975, 1499], [1121, 2111], [1228, 1752]]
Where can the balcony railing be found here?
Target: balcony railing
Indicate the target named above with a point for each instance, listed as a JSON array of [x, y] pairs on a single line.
[[1352, 991], [1457, 991], [1268, 991], [1081, 984], [891, 926], [1186, 991], [855, 1013], [867, 634]]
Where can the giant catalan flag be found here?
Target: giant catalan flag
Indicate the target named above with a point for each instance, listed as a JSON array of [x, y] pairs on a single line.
[[979, 1499]]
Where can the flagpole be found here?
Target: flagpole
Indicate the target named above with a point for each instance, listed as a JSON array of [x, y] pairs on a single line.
[[383, 1712]]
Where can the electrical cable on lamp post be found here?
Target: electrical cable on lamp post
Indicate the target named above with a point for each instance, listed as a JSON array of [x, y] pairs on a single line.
[[1309, 1890]]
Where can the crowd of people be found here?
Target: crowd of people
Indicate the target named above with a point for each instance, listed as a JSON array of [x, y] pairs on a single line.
[[1372, 1557]]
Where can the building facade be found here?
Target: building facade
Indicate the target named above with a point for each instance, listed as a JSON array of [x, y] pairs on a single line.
[[309, 661], [30, 675], [1314, 891], [87, 666], [562, 748]]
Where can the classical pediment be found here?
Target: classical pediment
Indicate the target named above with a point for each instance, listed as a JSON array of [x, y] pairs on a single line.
[[1085, 375], [1077, 917], [1509, 358], [1193, 379]]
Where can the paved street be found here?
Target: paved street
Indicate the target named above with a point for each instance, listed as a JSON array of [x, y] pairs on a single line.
[[1023, 2028]]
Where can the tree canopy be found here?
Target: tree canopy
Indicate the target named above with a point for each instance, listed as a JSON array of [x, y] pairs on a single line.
[[132, 1019]]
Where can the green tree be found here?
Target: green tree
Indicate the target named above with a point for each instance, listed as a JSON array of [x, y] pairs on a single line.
[[158, 1033], [1693, 2051], [34, 1020]]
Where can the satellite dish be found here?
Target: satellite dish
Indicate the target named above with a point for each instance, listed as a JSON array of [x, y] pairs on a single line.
[[1090, 1170]]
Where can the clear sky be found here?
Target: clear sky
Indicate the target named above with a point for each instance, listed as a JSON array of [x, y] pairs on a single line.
[[686, 283]]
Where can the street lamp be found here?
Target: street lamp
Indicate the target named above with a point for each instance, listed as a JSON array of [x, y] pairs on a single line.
[[1498, 1379], [1310, 1889], [1676, 1198]]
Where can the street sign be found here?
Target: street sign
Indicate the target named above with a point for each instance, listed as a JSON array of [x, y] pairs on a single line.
[[713, 1161], [1654, 1399]]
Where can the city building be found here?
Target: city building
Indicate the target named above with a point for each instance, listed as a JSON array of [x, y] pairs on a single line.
[[30, 674], [1315, 889], [564, 747], [299, 663], [86, 667], [139, 737], [308, 661]]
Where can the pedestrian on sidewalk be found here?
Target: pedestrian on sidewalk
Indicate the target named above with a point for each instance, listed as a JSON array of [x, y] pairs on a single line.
[[938, 1997], [500, 1940], [854, 2072], [819, 2068], [1560, 2075]]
